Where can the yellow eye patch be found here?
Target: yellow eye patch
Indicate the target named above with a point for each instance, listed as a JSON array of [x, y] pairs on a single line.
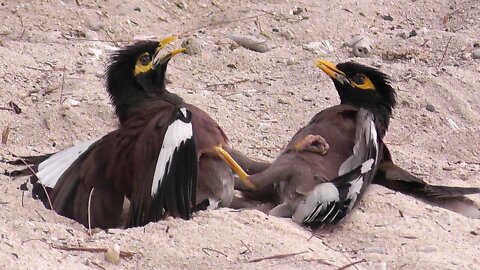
[[143, 65], [361, 81]]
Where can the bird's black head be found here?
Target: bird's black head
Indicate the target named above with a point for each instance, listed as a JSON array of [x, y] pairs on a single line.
[[362, 86], [137, 74]]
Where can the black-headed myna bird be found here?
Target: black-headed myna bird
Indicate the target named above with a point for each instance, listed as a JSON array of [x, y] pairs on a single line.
[[166, 158], [328, 164]]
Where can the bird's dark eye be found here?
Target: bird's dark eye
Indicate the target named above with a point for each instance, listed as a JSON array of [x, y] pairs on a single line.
[[145, 59], [358, 78]]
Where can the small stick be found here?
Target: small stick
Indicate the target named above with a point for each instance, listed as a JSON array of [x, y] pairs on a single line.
[[228, 83], [351, 264], [110, 37], [445, 52], [247, 248], [44, 220], [63, 84], [281, 256], [99, 265], [123, 254], [211, 249], [6, 109]]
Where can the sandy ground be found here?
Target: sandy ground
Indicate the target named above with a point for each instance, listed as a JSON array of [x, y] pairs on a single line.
[[260, 99]]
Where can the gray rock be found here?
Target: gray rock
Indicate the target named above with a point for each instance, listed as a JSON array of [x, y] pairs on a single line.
[[430, 108], [361, 45], [476, 54], [377, 250], [287, 34], [253, 43]]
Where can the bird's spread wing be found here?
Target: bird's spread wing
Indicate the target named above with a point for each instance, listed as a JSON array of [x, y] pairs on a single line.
[[172, 189], [330, 202], [152, 162]]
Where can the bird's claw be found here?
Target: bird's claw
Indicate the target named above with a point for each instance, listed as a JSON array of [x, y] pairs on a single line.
[[313, 143]]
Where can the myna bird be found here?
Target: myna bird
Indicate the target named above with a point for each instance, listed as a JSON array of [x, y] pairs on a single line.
[[166, 157], [326, 167], [328, 164]]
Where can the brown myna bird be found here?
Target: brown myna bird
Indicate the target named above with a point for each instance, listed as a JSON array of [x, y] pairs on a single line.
[[328, 164], [166, 157]]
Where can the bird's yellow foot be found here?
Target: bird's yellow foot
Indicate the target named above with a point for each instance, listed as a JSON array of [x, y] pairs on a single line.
[[313, 143], [234, 166]]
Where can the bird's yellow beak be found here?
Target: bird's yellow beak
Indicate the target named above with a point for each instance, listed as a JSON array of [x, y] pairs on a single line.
[[164, 42], [165, 58], [328, 67]]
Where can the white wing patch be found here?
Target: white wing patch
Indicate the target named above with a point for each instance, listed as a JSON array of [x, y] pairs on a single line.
[[323, 194], [177, 133], [50, 170]]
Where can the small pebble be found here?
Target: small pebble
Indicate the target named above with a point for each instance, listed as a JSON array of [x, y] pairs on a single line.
[[428, 249], [287, 34], [192, 46], [113, 254], [73, 102], [476, 54], [430, 108], [377, 250], [291, 61], [253, 43], [412, 33], [283, 101], [387, 17], [308, 99]]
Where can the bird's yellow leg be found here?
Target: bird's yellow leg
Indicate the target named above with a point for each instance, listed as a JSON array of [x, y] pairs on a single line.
[[234, 166]]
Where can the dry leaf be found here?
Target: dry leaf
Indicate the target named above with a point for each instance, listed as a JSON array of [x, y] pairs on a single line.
[[5, 133]]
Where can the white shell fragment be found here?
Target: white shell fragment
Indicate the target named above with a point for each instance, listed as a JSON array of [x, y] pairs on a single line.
[[73, 102], [319, 47], [361, 46], [452, 124], [113, 254]]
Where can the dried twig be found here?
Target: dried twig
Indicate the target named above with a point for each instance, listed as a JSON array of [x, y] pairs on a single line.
[[123, 253], [223, 23], [111, 39], [205, 249], [247, 248], [227, 83], [63, 84], [351, 264], [280, 256], [44, 220], [98, 265], [445, 51]]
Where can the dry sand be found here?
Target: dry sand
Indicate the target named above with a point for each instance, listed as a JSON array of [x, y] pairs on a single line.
[[260, 99]]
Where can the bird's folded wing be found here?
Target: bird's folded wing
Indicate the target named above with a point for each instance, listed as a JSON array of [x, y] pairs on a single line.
[[173, 186], [330, 202]]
